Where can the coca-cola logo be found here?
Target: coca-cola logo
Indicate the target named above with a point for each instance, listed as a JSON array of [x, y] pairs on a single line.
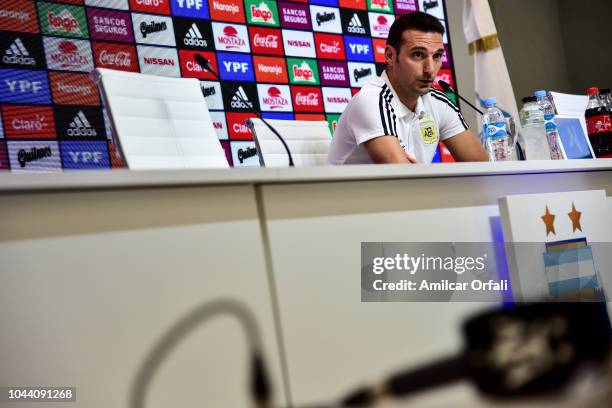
[[118, 59], [63, 21], [266, 41], [309, 99]]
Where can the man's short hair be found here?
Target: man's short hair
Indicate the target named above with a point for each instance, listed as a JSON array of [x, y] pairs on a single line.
[[418, 21]]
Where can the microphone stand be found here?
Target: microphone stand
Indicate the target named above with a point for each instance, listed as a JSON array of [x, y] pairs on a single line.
[[205, 65], [448, 88]]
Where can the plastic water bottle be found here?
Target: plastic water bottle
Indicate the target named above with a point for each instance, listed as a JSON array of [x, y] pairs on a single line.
[[552, 134], [495, 132], [534, 130]]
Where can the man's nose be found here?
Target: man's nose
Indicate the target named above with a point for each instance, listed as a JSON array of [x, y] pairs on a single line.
[[428, 66]]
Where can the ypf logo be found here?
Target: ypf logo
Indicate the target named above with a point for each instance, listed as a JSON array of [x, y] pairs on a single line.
[[358, 49], [24, 86], [190, 8], [235, 67]]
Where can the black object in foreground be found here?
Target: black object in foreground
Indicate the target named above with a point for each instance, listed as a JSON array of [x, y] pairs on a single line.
[[448, 88], [205, 64], [530, 350]]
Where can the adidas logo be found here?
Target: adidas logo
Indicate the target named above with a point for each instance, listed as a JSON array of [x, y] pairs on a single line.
[[194, 37], [80, 126], [17, 54], [355, 25], [239, 99]]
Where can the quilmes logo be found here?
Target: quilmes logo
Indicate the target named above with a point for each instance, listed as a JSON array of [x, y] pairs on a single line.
[[17, 54], [81, 127], [68, 55], [360, 73], [231, 37], [33, 154], [303, 71], [324, 17], [60, 19], [150, 29], [262, 12], [240, 100]]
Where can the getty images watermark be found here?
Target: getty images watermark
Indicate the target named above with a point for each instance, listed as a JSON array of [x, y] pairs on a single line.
[[432, 272]]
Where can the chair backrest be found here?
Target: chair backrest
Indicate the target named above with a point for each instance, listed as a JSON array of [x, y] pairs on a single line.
[[160, 122], [308, 142]]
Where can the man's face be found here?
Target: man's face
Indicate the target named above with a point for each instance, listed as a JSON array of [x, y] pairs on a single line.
[[415, 66]]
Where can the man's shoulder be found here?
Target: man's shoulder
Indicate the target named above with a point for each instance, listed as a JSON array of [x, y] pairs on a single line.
[[439, 100], [369, 93]]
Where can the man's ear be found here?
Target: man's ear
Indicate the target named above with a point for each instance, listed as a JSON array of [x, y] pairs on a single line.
[[390, 55]]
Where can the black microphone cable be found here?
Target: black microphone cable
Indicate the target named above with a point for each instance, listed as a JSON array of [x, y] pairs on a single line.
[[448, 88], [205, 64]]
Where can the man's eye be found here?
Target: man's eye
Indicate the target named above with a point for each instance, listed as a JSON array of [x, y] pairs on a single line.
[[418, 55], [438, 56]]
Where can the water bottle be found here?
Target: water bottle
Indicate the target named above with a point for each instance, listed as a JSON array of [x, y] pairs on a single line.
[[534, 130], [552, 134], [495, 132]]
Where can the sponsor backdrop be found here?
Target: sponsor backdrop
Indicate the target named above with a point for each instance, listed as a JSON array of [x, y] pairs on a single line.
[[288, 59]]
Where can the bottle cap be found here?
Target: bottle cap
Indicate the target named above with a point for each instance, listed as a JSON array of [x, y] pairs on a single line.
[[604, 91], [489, 102], [593, 91], [540, 94], [528, 99]]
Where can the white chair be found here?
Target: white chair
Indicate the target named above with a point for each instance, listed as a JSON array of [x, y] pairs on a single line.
[[308, 142], [160, 122]]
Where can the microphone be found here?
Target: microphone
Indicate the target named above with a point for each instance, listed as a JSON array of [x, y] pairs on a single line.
[[448, 88], [205, 64]]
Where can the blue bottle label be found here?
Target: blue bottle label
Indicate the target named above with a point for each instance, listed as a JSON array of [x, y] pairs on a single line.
[[495, 130]]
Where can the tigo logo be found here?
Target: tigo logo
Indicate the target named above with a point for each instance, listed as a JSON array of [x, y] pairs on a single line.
[[61, 19], [34, 156], [151, 29], [330, 46], [295, 16], [262, 12], [159, 61], [231, 37], [275, 98], [227, 10], [65, 54], [24, 86], [18, 16], [336, 99], [270, 69], [84, 155], [299, 44], [28, 122], [358, 48], [151, 6], [115, 56], [244, 154], [190, 8], [235, 67], [110, 25], [307, 99], [380, 24], [73, 89], [191, 69], [266, 40], [303, 71]]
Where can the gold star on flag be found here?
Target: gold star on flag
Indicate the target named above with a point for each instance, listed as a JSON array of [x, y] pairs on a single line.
[[549, 220], [575, 217]]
